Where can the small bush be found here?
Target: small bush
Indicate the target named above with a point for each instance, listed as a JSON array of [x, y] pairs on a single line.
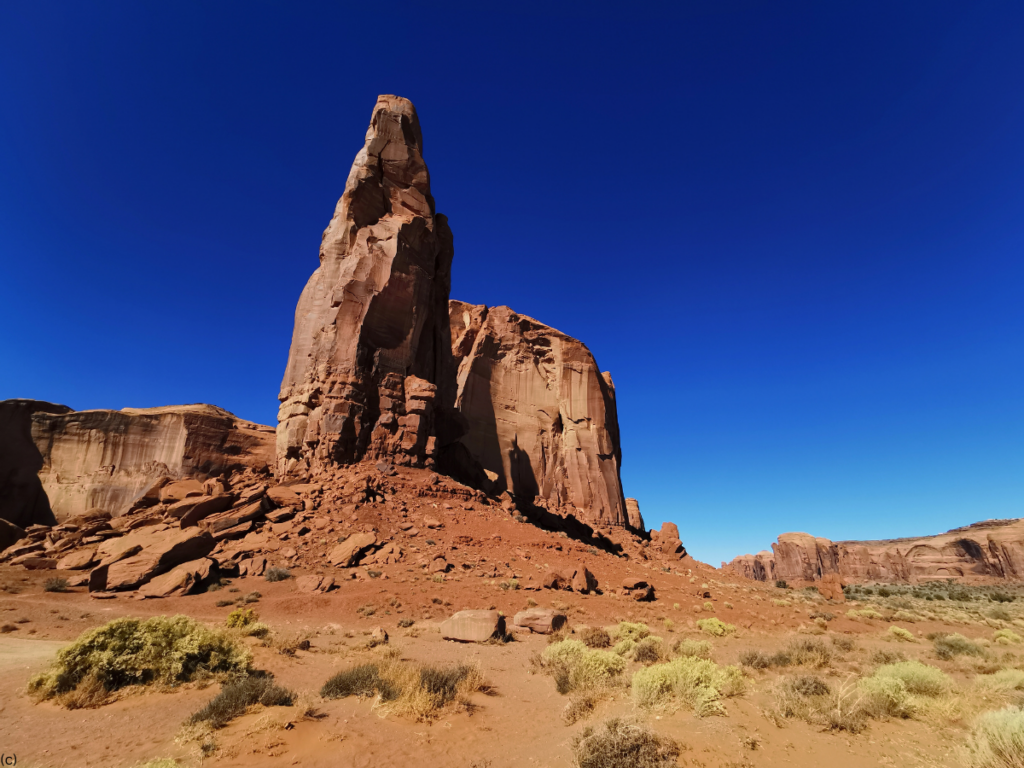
[[576, 667], [918, 678], [715, 627], [997, 740], [649, 650], [595, 637], [1002, 681], [761, 660], [225, 603], [363, 680], [236, 696], [624, 647], [810, 685], [885, 697], [405, 623], [241, 618], [844, 644], [1006, 637], [949, 646], [579, 707], [126, 652], [813, 653], [630, 631], [623, 745], [699, 683], [419, 691], [901, 634], [56, 584], [277, 574], [700, 649], [781, 584]]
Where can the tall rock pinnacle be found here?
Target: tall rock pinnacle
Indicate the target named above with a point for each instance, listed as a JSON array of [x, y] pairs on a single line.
[[369, 371]]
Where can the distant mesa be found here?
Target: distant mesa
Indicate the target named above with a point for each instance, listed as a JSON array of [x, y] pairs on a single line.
[[993, 549]]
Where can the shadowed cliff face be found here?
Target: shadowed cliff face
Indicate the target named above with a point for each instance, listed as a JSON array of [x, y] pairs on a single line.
[[993, 549], [369, 370], [540, 415], [22, 498]]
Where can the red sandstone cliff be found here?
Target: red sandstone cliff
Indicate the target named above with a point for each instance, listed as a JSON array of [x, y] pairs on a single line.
[[993, 549]]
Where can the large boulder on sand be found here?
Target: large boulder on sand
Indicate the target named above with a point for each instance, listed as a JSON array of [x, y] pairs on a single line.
[[160, 552], [473, 626], [543, 621]]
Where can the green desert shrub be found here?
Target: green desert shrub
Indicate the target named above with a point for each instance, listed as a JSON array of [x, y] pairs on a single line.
[[56, 584], [996, 741], [363, 680], [241, 618], [576, 667], [623, 744], [901, 634], [700, 649], [919, 679], [715, 627], [161, 650], [624, 647], [883, 697], [699, 683], [237, 695], [1006, 637], [948, 646]]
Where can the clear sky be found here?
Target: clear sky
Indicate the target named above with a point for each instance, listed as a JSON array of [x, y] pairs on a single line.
[[793, 232]]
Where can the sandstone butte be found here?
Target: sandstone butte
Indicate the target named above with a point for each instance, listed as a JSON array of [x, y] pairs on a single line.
[[993, 549], [384, 366]]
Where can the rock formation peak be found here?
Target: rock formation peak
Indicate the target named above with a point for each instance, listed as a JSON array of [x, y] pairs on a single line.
[[369, 371]]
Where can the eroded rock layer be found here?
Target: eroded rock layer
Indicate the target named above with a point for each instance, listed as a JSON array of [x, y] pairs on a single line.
[[540, 414], [369, 369], [108, 459], [993, 549]]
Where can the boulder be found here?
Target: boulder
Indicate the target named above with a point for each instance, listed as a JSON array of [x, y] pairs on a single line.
[[77, 560], [438, 565], [633, 517], [348, 552], [583, 581], [190, 511], [473, 626], [283, 496], [232, 517], [180, 490], [35, 562], [314, 583], [556, 580], [161, 551], [180, 580], [669, 531], [543, 621], [831, 587]]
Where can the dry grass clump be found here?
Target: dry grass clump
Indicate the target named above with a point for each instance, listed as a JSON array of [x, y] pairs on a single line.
[[809, 652], [418, 691], [595, 637], [623, 744], [1006, 637], [125, 652], [901, 634], [56, 584], [809, 698], [699, 683], [762, 660], [997, 740], [918, 678], [1002, 682], [238, 695], [948, 646], [715, 627], [576, 667], [277, 574], [886, 656], [650, 650], [580, 706]]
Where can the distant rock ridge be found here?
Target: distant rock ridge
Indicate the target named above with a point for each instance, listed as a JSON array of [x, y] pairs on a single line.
[[991, 549]]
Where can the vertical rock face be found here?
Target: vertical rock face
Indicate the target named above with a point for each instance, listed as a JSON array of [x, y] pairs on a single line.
[[633, 517], [540, 415], [107, 459], [369, 371], [23, 501], [993, 549]]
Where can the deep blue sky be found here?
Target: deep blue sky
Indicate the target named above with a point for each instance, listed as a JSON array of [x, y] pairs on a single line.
[[793, 232]]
